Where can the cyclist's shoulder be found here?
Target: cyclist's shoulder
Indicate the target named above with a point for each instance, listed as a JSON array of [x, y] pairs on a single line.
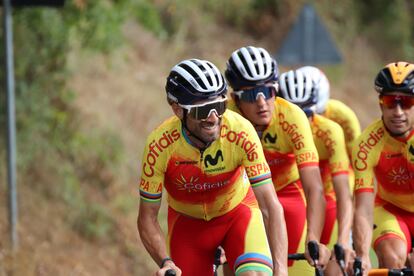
[[284, 106], [285, 111], [371, 140], [323, 122], [376, 127], [235, 121], [169, 127], [339, 108]]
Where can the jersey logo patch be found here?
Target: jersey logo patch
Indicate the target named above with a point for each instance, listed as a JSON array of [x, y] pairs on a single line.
[[270, 139], [209, 160]]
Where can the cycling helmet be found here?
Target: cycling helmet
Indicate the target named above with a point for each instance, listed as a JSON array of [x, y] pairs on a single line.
[[297, 87], [193, 80], [396, 77], [250, 66], [321, 83]]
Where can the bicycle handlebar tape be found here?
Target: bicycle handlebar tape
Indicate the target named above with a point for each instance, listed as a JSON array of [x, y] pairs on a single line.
[[357, 267], [297, 256], [313, 251], [170, 272], [340, 257]]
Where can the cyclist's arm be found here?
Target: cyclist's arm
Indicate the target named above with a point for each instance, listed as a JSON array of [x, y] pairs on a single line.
[[152, 236], [363, 225], [315, 207], [275, 225], [344, 211], [315, 210]]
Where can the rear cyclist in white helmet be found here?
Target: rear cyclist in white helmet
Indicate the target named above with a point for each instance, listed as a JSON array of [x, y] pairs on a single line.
[[299, 88], [336, 111]]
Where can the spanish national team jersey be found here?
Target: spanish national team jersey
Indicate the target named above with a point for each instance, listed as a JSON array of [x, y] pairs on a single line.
[[338, 112], [203, 184], [287, 142], [330, 142], [389, 160]]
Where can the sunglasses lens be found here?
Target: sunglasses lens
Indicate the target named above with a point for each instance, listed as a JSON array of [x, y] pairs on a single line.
[[204, 111], [250, 95], [391, 101]]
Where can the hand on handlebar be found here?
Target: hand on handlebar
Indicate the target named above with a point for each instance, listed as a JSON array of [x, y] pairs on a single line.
[[322, 257], [168, 266]]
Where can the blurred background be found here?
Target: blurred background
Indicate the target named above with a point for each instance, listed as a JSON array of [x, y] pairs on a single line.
[[90, 87]]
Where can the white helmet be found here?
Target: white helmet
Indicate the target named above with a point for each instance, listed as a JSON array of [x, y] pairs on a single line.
[[250, 66], [298, 87], [321, 85]]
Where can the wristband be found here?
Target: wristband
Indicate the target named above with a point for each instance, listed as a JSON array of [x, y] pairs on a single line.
[[163, 261]]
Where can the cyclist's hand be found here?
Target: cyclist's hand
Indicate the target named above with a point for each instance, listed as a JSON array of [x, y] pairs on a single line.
[[223, 258], [168, 265], [324, 256], [349, 257], [366, 265]]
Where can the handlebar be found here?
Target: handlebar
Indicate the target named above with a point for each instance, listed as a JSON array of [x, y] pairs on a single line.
[[170, 272], [313, 249], [297, 256], [340, 257]]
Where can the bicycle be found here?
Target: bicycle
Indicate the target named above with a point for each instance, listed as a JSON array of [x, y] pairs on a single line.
[[381, 271], [314, 254]]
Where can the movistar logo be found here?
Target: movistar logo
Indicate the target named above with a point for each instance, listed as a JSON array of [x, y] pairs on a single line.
[[269, 138], [209, 160]]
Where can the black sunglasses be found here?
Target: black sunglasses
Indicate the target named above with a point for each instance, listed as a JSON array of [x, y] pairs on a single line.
[[252, 94]]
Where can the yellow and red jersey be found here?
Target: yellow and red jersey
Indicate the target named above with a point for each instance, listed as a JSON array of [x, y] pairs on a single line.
[[339, 112], [330, 143], [390, 161], [287, 142], [203, 184]]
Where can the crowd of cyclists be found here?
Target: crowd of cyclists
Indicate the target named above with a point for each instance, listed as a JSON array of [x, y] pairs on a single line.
[[257, 165]]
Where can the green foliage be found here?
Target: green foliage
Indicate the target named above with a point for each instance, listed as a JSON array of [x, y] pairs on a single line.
[[149, 16], [94, 222], [389, 25], [52, 146]]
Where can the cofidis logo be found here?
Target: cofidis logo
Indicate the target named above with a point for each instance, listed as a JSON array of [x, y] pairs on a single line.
[[365, 146], [242, 140], [156, 147], [292, 130]]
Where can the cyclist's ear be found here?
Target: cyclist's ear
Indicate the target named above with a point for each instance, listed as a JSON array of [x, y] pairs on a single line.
[[178, 110]]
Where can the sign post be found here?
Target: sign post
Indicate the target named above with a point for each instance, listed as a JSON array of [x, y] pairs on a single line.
[[10, 95], [11, 121]]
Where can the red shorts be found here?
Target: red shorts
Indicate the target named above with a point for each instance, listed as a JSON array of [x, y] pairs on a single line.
[[241, 232], [329, 236], [392, 222], [294, 206]]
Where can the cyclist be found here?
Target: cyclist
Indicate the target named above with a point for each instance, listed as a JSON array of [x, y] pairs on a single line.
[[287, 142], [385, 152], [211, 163], [298, 87], [335, 110]]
